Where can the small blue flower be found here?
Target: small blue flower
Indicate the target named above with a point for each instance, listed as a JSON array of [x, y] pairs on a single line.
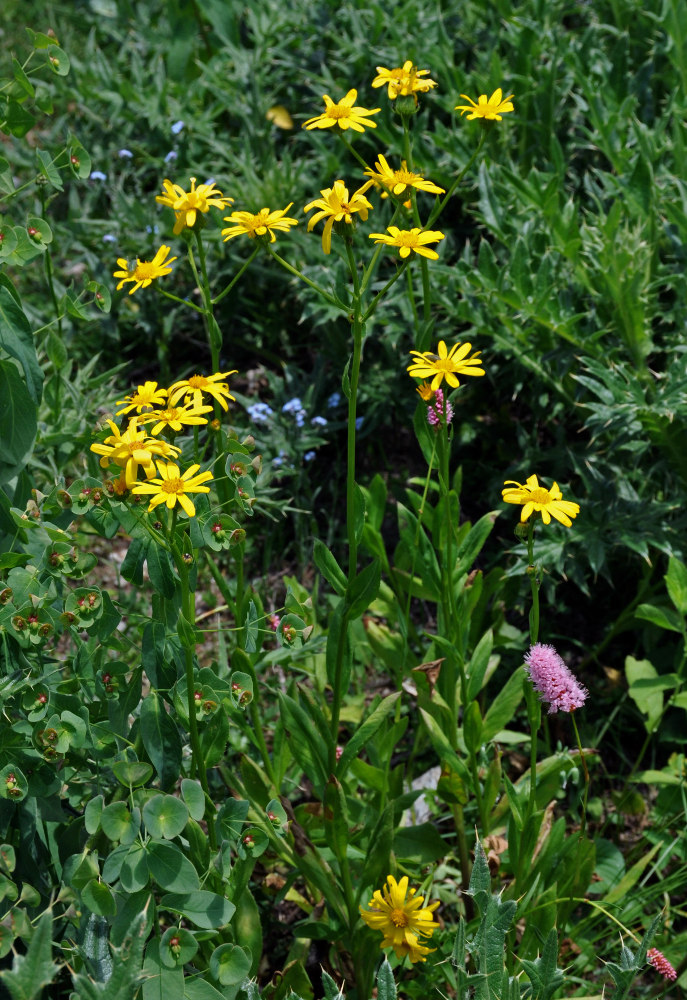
[[125, 154], [109, 238], [153, 229], [309, 455], [300, 418], [319, 421], [334, 400], [259, 413], [359, 422], [279, 460], [98, 175], [210, 181], [177, 127], [171, 156], [292, 406]]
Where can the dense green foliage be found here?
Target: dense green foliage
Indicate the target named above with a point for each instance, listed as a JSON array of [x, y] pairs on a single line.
[[218, 730]]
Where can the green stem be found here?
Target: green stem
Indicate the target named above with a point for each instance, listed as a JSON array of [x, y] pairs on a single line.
[[534, 585], [585, 769], [183, 302], [380, 295], [358, 328], [218, 298], [332, 299], [257, 732]]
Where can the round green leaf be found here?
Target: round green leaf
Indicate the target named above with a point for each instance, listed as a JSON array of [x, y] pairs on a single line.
[[170, 868], [99, 899], [230, 964], [134, 873], [132, 773], [194, 797], [205, 909], [177, 947], [165, 816], [13, 784], [117, 822], [92, 814]]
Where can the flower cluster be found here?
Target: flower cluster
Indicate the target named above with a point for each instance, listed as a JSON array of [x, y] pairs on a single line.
[[139, 454], [403, 81], [658, 960], [398, 912], [552, 680], [187, 205]]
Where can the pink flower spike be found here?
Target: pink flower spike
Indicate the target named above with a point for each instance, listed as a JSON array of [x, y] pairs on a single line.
[[661, 963], [436, 409], [552, 680]]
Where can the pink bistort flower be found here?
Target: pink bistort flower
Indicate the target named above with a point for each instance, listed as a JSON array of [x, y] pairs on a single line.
[[436, 408], [661, 963], [552, 680]]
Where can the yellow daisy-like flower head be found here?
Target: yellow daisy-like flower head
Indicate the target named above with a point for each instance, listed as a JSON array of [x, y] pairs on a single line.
[[399, 914], [343, 115], [537, 499], [196, 385], [145, 397], [132, 448], [176, 417], [490, 110], [403, 81], [187, 204], [410, 239], [265, 223], [426, 391], [143, 272], [446, 364], [172, 487], [337, 206], [398, 181]]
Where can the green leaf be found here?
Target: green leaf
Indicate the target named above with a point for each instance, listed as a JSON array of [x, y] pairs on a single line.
[[214, 738], [160, 982], [18, 121], [134, 874], [358, 512], [116, 821], [479, 662], [649, 704], [472, 727], [676, 582], [165, 816], [170, 868], [386, 984], [6, 187], [502, 707], [132, 773], [362, 590], [48, 169], [665, 618], [329, 567], [184, 949], [160, 570], [422, 844], [18, 423], [16, 338], [161, 739], [99, 899], [36, 969], [364, 733], [22, 79], [58, 60], [194, 797], [230, 964], [204, 909]]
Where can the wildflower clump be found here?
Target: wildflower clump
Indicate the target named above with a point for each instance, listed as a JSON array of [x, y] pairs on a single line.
[[398, 912], [552, 680]]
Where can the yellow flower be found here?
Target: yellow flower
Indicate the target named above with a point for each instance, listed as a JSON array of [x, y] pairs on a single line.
[[171, 487], [187, 204], [144, 271], [410, 239], [196, 385], [247, 224], [147, 395], [398, 913], [131, 449], [397, 181], [175, 417], [491, 110], [403, 80], [426, 391], [533, 497], [336, 205], [343, 115], [446, 365]]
